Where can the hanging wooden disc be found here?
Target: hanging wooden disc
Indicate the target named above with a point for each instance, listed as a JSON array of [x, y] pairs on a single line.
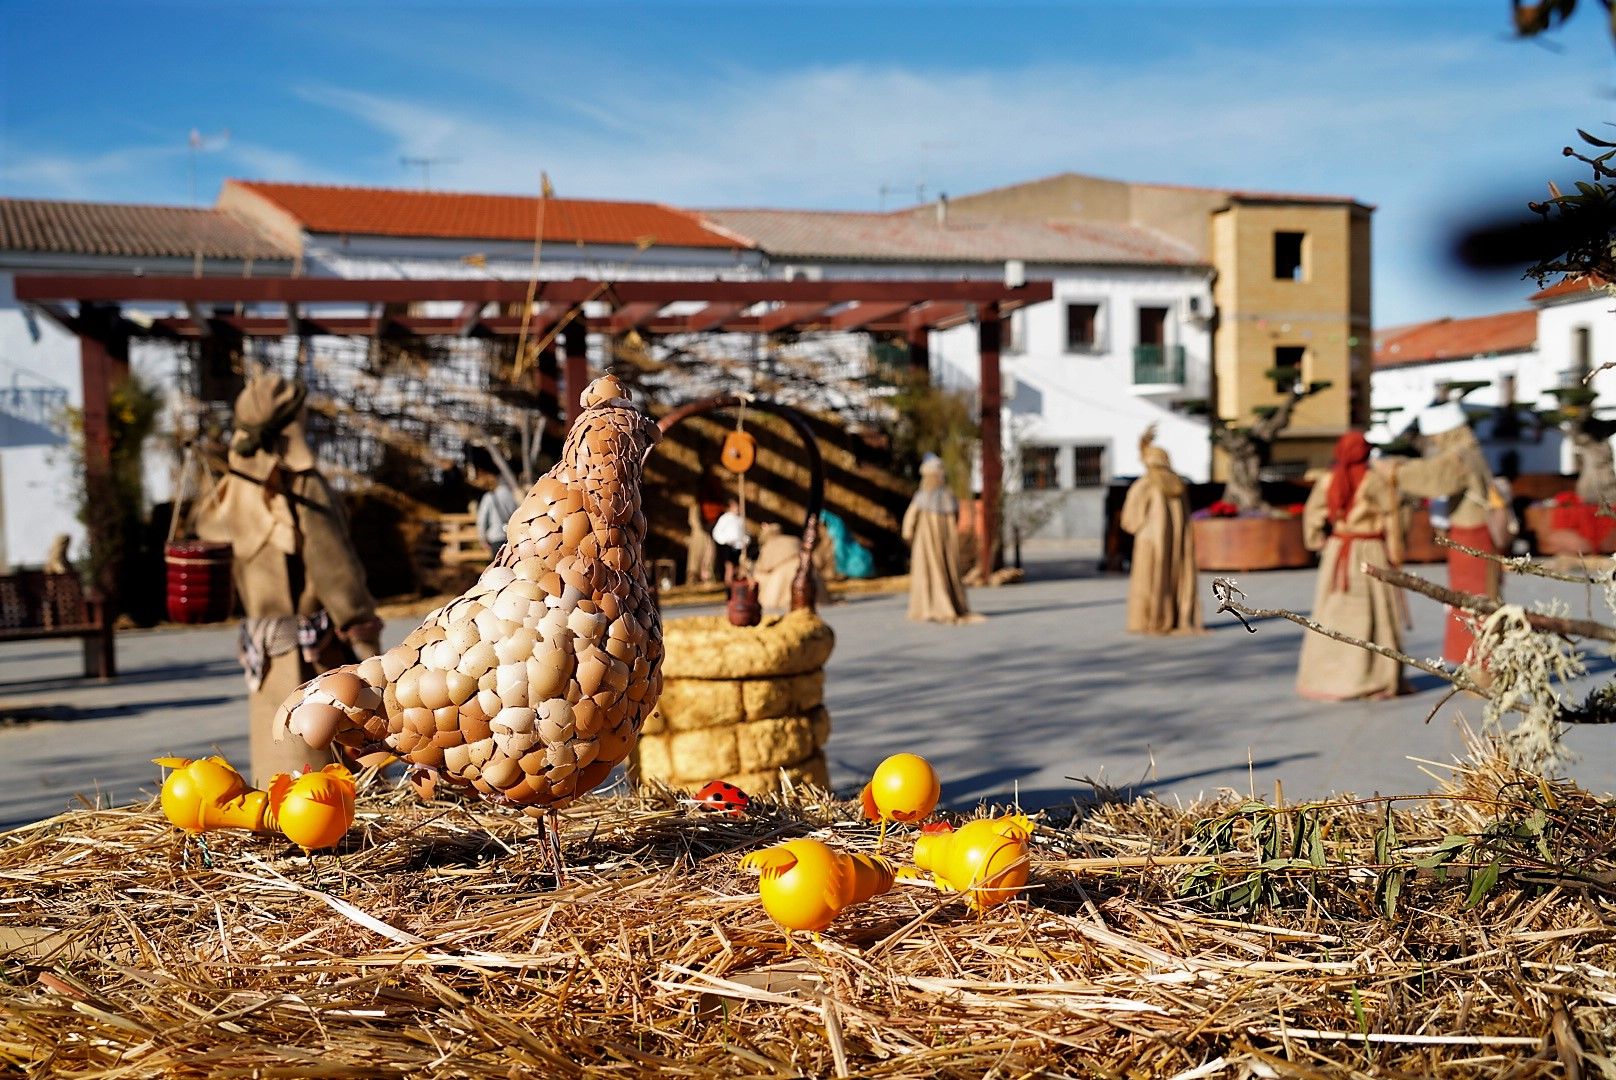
[[740, 451]]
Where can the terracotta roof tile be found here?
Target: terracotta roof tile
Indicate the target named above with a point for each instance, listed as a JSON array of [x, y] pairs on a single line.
[[1569, 287], [1455, 339], [457, 215], [128, 229], [905, 236]]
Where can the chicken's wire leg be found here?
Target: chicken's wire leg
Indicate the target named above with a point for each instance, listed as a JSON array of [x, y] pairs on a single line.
[[552, 841]]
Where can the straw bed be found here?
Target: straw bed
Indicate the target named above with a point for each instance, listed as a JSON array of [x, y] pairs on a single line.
[[442, 948]]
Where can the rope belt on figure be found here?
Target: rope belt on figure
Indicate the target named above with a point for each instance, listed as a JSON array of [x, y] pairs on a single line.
[[1343, 562]]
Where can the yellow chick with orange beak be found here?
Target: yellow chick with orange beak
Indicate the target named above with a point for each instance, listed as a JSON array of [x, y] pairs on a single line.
[[986, 859], [805, 884], [904, 787], [314, 810]]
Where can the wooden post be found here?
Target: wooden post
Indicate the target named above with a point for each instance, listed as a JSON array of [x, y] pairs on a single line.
[[103, 362], [919, 346], [989, 335], [574, 340]]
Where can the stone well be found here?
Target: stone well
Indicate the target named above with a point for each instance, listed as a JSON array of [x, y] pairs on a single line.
[[742, 704]]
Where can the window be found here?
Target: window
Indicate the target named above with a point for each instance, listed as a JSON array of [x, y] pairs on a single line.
[[1153, 326], [1582, 349], [1082, 327], [1090, 470], [1289, 356], [1040, 468], [1288, 256]]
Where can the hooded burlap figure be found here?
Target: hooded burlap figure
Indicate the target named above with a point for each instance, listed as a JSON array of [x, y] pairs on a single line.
[[1353, 516], [930, 526], [301, 584], [1163, 588], [1454, 469]]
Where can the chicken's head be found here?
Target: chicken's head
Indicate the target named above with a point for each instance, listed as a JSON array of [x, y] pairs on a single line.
[[605, 450]]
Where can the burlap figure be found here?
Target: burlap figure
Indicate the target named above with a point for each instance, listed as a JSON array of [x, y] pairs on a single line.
[[930, 527], [292, 558], [1353, 517], [1163, 587], [533, 684], [1454, 469], [775, 568]]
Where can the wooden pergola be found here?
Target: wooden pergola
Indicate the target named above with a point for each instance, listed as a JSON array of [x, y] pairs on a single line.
[[558, 314]]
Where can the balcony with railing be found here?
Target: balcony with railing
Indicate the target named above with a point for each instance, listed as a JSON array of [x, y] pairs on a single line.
[[1158, 366]]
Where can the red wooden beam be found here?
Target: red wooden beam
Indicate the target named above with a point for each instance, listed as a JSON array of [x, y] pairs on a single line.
[[308, 290], [797, 315], [863, 314], [633, 316], [471, 314], [711, 316]]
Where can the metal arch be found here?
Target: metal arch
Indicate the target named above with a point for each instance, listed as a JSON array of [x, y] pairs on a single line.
[[802, 590]]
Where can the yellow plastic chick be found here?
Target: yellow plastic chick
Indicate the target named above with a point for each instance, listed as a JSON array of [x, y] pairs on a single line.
[[209, 794], [313, 810], [904, 787], [985, 859], [805, 884]]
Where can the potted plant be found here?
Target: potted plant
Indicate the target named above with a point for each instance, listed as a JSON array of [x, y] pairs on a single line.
[[1241, 531]]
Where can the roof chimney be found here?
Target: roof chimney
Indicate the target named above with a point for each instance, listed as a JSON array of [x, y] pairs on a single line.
[[942, 209]]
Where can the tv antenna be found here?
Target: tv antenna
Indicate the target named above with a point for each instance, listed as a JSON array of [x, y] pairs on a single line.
[[425, 165]]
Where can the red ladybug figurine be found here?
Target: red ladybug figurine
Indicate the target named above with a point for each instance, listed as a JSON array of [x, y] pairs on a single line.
[[723, 798]]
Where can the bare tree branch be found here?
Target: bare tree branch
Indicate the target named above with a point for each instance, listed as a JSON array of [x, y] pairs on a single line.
[[1225, 591], [1482, 605], [1522, 564]]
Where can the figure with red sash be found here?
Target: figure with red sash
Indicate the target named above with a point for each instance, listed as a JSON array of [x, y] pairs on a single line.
[[1455, 470], [1352, 517]]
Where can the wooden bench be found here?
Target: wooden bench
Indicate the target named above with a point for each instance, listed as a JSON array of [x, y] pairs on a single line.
[[34, 604]]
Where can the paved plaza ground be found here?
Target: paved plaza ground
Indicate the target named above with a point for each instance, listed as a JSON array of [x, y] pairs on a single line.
[[1047, 690]]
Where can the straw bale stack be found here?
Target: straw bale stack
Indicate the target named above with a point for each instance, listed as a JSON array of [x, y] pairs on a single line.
[[742, 704], [441, 950]]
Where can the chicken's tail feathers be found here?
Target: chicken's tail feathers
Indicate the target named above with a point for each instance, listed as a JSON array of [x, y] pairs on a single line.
[[331, 707]]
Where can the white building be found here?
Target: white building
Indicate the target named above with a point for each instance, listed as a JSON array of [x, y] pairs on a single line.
[[1521, 355], [1126, 336], [39, 360]]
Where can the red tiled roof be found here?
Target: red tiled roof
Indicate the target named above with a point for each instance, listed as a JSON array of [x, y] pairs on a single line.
[[904, 237], [1455, 339], [1571, 286], [457, 215], [128, 229]]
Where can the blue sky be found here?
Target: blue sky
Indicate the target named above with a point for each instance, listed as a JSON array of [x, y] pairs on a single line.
[[1426, 110]]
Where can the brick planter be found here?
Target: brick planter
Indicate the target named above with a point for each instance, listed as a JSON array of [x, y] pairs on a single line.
[[1250, 543]]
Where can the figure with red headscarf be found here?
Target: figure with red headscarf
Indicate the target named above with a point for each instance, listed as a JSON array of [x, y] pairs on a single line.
[[1352, 517]]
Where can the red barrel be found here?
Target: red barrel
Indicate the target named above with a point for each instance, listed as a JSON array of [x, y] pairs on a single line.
[[199, 585]]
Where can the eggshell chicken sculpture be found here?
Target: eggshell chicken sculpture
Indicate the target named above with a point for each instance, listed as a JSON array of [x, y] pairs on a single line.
[[533, 684], [805, 884], [985, 859], [314, 810], [904, 787]]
